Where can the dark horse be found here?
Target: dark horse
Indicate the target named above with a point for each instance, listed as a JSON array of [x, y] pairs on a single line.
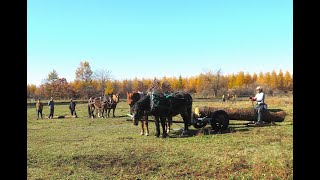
[[132, 98], [166, 106]]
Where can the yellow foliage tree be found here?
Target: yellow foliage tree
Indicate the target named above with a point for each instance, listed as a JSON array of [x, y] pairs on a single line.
[[273, 80], [260, 79], [267, 79], [254, 78], [287, 81], [280, 82], [240, 79], [109, 87], [247, 79], [231, 81]]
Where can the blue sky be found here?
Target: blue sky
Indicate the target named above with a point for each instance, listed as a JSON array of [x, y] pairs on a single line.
[[147, 39]]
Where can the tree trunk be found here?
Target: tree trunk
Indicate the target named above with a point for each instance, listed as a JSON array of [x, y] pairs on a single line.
[[248, 114]]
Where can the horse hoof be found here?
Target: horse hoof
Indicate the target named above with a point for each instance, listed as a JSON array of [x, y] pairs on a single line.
[[164, 136], [147, 134], [157, 135], [141, 134]]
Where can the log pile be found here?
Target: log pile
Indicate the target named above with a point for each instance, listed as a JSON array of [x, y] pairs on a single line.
[[248, 114]]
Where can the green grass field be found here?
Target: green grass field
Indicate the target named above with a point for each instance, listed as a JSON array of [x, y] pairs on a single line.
[[112, 148]]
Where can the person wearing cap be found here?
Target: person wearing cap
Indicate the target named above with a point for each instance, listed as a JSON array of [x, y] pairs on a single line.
[[72, 107], [51, 108], [259, 97], [39, 107]]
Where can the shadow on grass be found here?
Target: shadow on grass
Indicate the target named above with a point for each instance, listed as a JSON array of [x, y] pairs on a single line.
[[207, 130]]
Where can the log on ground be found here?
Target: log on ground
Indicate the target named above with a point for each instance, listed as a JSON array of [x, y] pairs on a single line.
[[248, 114]]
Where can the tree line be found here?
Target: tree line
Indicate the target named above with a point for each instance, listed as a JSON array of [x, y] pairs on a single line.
[[207, 84]]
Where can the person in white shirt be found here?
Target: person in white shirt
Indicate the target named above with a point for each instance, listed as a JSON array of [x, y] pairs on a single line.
[[260, 103]]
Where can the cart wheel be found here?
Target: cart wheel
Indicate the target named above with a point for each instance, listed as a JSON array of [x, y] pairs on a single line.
[[220, 120], [199, 124]]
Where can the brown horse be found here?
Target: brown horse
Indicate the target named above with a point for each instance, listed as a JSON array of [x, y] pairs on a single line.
[[111, 103], [132, 98], [91, 107], [99, 106]]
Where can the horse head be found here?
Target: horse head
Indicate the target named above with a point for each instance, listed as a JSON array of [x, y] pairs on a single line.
[[139, 107], [115, 98]]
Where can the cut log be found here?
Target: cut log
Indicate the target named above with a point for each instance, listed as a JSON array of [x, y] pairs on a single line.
[[248, 114]]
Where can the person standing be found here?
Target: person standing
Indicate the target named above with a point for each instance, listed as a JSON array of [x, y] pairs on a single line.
[[39, 107], [260, 104], [51, 108], [72, 107]]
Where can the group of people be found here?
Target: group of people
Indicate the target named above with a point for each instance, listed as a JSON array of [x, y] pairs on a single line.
[[39, 108]]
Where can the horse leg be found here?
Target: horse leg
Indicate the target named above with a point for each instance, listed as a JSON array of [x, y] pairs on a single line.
[[89, 111], [142, 127], [108, 112], [113, 112], [98, 113], [169, 124], [156, 120], [186, 125], [146, 124], [163, 124], [102, 114]]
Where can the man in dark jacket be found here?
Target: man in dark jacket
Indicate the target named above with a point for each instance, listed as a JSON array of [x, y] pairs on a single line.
[[72, 107], [51, 108]]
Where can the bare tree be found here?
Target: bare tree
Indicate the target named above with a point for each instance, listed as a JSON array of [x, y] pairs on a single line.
[[212, 81], [102, 76]]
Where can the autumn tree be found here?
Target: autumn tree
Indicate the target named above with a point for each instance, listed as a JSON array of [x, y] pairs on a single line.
[[267, 79], [190, 84], [31, 90], [62, 89], [84, 74], [287, 81], [109, 88], [50, 83], [273, 80], [232, 81], [280, 82], [240, 79], [260, 79], [212, 82], [180, 84], [126, 86], [116, 86], [101, 76], [254, 78], [52, 77], [146, 83], [138, 85], [247, 79]]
